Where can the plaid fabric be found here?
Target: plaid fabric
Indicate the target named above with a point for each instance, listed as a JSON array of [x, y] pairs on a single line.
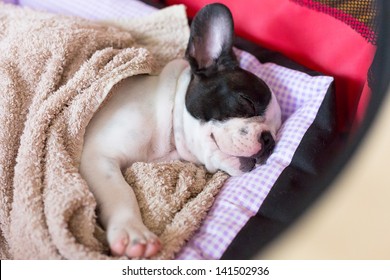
[[299, 95], [102, 9], [359, 14]]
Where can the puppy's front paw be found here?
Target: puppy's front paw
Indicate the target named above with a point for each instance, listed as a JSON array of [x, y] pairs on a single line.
[[133, 241]]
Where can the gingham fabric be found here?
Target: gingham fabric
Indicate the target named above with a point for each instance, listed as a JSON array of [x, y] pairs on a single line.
[[299, 95], [101, 9]]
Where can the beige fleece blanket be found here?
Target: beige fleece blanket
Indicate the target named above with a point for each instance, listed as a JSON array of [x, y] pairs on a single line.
[[55, 72]]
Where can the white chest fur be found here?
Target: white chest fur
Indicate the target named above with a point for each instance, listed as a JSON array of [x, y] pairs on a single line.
[[136, 123]]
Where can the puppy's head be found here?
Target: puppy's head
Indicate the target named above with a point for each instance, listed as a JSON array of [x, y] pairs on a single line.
[[241, 107]]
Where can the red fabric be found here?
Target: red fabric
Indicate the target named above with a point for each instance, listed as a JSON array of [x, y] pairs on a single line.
[[316, 40]]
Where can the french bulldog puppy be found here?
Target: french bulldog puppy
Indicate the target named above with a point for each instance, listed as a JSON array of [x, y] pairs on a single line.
[[204, 109]]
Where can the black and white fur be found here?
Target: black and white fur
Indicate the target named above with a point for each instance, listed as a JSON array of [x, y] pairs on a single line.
[[204, 109]]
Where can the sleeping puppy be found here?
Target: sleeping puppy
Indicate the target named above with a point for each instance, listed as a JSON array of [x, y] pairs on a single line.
[[204, 109]]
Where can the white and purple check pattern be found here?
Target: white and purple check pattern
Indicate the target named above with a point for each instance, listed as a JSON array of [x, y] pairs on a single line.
[[91, 9], [299, 96]]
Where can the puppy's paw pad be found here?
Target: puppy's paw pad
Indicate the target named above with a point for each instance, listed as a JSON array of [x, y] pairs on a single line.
[[152, 248], [118, 247], [133, 242], [135, 250]]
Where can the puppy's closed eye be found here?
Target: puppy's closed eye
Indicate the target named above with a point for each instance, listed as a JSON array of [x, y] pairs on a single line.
[[247, 104]]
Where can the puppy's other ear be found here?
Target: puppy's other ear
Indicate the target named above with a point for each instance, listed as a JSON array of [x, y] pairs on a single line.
[[210, 45]]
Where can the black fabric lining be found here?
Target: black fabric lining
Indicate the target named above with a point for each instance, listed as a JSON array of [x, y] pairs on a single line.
[[296, 188], [157, 4], [265, 55]]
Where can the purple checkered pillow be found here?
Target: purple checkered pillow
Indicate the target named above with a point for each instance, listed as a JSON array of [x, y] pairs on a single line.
[[300, 97]]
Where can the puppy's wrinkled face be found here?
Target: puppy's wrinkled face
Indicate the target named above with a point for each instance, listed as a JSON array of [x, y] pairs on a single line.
[[241, 108]]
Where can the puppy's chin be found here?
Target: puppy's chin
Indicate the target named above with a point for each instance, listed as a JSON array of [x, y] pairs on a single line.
[[247, 164], [261, 160]]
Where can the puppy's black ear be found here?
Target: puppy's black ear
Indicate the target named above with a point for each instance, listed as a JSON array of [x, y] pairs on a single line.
[[210, 45]]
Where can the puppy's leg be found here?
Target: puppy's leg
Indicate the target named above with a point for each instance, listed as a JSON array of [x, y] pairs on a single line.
[[119, 210]]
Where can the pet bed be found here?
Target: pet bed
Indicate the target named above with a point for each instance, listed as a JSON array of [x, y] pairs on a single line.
[[251, 209]]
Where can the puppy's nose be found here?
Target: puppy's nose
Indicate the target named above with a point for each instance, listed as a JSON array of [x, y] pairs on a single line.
[[267, 146], [267, 142]]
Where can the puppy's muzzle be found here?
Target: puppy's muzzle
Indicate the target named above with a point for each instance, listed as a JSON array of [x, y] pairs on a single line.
[[267, 147]]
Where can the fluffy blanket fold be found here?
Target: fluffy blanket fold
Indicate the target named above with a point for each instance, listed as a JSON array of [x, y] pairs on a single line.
[[55, 72]]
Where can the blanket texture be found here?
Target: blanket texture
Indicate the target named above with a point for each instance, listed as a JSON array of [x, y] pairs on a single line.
[[55, 72]]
